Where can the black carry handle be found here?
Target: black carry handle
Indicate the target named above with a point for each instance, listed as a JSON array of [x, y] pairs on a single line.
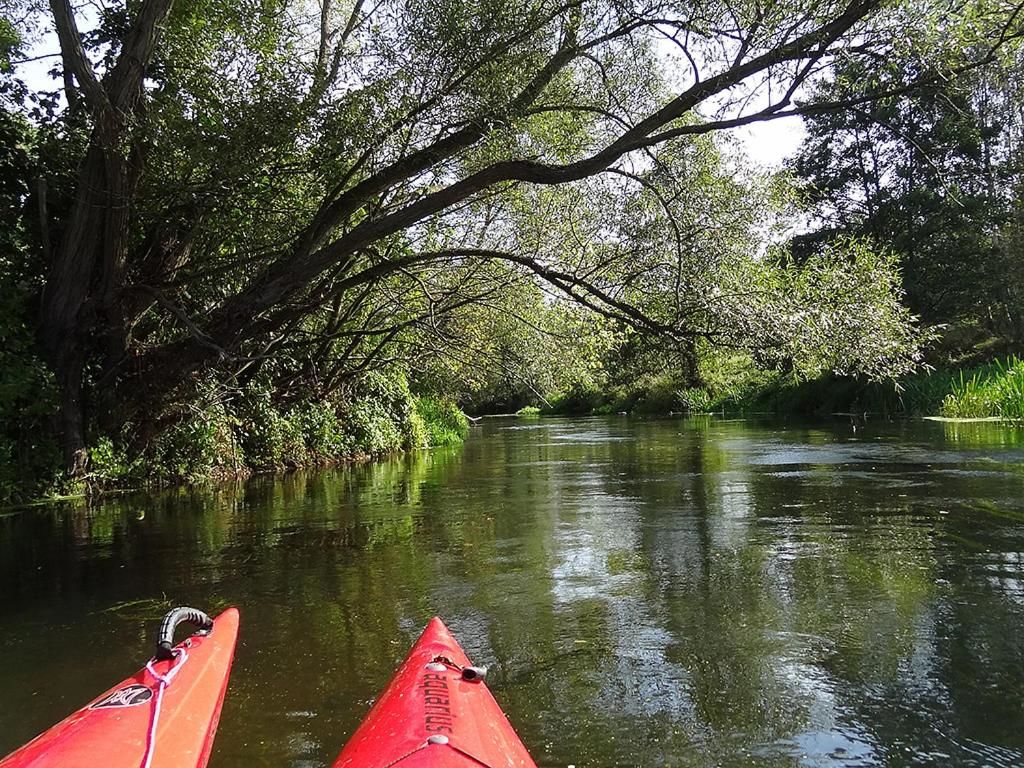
[[174, 617]]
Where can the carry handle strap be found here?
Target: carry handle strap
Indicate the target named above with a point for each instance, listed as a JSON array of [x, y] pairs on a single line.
[[174, 617]]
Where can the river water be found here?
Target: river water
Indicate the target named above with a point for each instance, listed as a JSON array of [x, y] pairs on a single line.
[[647, 593]]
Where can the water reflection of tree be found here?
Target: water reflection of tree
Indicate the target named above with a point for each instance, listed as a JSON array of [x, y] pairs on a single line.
[[654, 593]]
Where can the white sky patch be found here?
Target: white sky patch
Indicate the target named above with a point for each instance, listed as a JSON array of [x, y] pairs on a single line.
[[771, 144], [766, 145], [45, 57]]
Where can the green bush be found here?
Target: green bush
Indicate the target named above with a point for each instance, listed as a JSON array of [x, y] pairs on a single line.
[[372, 428], [417, 432], [109, 463], [443, 422], [923, 394], [199, 447], [29, 453], [695, 400], [261, 432], [579, 399], [654, 394], [322, 432], [293, 440], [992, 390], [377, 414]]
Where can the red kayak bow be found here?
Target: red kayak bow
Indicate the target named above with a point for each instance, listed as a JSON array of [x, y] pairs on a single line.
[[165, 716], [435, 713]]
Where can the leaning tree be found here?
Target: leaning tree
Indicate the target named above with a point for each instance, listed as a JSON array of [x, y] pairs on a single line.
[[257, 175]]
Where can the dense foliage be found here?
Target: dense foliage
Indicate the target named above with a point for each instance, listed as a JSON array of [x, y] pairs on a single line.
[[937, 176]]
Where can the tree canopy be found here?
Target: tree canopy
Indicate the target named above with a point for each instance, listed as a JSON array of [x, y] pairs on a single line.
[[936, 176]]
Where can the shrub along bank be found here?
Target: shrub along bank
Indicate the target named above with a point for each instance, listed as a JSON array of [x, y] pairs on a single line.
[[378, 415]]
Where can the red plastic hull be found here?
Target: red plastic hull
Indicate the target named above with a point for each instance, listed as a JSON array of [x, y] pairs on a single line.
[[422, 702], [112, 730]]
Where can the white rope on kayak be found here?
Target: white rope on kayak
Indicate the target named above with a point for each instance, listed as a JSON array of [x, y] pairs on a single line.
[[162, 681]]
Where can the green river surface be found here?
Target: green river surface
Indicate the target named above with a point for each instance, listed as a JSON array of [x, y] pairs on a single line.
[[701, 592]]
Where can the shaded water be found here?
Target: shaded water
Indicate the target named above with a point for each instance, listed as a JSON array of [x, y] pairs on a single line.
[[647, 593]]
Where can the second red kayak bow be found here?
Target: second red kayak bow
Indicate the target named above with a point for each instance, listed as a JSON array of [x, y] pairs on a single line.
[[435, 713]]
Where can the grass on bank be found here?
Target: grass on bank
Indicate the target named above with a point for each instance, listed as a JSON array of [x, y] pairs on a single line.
[[995, 389]]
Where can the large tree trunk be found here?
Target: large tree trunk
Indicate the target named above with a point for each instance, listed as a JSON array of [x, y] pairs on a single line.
[[79, 309], [64, 323], [72, 413]]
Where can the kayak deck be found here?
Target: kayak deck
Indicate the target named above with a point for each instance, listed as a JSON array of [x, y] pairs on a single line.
[[113, 729], [432, 716]]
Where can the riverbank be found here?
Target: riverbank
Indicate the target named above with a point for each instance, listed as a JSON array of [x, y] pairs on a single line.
[[991, 390], [249, 434]]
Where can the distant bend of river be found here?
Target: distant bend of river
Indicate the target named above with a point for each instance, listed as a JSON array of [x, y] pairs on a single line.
[[694, 593]]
